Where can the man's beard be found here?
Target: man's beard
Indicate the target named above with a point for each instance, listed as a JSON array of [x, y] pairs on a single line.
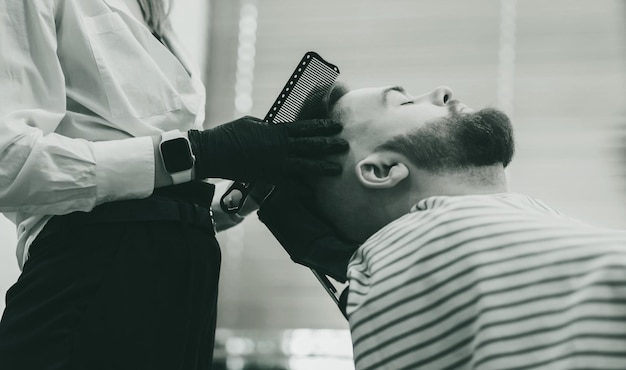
[[458, 141]]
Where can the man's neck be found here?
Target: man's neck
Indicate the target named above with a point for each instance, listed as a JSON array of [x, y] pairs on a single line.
[[475, 180]]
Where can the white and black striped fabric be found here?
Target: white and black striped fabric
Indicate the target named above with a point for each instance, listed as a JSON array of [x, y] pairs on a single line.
[[498, 281]]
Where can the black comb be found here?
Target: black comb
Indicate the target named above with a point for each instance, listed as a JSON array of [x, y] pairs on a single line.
[[310, 80]]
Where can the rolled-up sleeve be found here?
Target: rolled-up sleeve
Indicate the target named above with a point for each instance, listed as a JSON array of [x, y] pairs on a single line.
[[42, 172]]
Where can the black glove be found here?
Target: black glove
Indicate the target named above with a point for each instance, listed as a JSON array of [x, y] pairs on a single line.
[[308, 240], [251, 150]]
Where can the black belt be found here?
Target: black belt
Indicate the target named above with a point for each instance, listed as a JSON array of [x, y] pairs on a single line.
[[187, 203]]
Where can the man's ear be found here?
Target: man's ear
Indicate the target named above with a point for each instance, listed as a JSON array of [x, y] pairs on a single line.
[[381, 170]]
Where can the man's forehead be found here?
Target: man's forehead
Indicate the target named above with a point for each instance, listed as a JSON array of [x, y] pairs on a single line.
[[366, 93], [365, 100], [368, 119]]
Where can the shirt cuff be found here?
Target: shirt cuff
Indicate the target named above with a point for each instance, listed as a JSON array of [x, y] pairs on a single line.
[[124, 169]]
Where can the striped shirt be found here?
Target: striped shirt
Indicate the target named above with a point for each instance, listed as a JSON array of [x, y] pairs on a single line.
[[497, 281]]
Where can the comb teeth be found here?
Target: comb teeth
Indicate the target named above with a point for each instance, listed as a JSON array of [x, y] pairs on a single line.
[[312, 78]]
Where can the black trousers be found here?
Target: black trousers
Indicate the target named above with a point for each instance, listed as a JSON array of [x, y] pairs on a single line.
[[115, 295]]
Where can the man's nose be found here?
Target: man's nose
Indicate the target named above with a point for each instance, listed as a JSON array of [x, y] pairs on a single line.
[[439, 96]]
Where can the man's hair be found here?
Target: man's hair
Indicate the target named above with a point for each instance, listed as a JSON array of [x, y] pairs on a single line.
[[456, 142], [321, 103]]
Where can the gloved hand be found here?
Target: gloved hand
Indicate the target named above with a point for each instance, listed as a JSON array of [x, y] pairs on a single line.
[[308, 240], [251, 150]]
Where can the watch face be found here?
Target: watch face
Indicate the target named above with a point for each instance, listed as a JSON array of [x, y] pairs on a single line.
[[176, 154]]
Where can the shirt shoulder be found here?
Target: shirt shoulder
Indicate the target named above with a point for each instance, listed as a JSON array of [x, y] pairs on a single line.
[[450, 212]]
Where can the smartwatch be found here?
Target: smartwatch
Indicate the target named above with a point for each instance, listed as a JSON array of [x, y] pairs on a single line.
[[177, 156]]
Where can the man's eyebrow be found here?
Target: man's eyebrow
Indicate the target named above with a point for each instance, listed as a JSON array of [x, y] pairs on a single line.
[[388, 90]]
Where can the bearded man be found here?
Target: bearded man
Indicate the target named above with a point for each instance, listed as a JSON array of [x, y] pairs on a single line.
[[446, 268]]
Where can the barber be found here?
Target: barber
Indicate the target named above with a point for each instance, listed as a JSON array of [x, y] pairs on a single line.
[[102, 157]]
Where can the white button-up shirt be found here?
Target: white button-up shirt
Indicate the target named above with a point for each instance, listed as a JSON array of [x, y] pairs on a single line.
[[83, 84]]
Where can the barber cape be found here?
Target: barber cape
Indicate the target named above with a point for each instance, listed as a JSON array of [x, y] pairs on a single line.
[[499, 281]]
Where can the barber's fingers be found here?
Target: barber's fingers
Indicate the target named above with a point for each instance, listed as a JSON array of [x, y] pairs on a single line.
[[311, 167], [316, 146], [313, 127]]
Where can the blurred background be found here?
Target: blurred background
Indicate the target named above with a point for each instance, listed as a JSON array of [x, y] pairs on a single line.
[[558, 68]]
